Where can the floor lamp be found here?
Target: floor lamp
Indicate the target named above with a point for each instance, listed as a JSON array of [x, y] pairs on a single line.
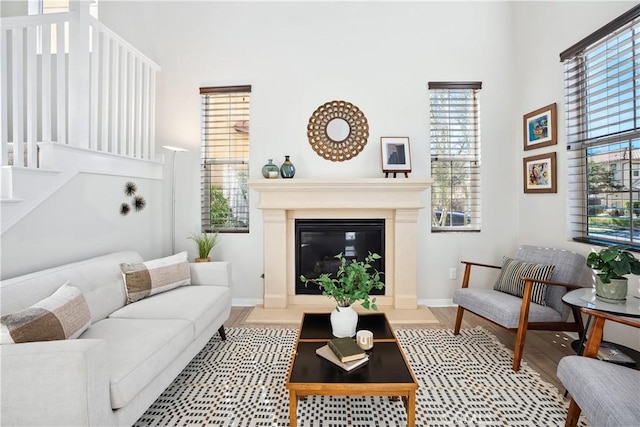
[[173, 150]]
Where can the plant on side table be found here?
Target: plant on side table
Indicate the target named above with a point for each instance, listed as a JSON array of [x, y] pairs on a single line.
[[611, 264], [205, 243], [353, 282]]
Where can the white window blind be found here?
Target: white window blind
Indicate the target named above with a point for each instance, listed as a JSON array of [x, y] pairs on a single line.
[[455, 156], [225, 158], [602, 89]]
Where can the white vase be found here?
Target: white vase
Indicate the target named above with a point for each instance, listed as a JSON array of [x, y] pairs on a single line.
[[343, 322]]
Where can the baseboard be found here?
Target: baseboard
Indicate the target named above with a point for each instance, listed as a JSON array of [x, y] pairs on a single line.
[[432, 302], [245, 302]]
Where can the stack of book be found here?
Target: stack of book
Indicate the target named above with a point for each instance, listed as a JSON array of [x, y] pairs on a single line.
[[343, 352]]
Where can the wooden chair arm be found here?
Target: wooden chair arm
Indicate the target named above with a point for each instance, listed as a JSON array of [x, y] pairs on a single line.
[[595, 336], [549, 282], [619, 319], [467, 270], [481, 265]]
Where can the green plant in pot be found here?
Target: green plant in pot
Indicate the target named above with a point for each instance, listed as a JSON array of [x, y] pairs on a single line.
[[353, 282], [611, 264], [205, 243]]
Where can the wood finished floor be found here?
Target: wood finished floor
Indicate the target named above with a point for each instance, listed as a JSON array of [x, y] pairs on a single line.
[[542, 352]]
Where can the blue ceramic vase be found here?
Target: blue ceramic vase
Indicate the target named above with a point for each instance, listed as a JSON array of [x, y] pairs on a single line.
[[287, 170], [270, 170]]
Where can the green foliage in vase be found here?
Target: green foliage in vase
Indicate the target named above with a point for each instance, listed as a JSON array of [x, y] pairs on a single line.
[[205, 243], [613, 262], [352, 283]]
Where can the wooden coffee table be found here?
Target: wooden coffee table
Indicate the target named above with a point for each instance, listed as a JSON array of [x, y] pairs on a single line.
[[386, 374]]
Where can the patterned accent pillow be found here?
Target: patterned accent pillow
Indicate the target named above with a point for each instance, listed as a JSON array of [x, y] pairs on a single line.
[[153, 277], [510, 280], [63, 315]]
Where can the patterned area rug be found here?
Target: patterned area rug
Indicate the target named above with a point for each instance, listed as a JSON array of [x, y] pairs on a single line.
[[464, 380]]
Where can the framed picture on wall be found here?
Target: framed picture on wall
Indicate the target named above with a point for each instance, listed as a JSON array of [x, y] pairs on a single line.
[[396, 156], [540, 173], [540, 128]]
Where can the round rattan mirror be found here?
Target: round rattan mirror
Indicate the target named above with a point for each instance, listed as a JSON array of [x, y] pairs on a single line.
[[338, 131]]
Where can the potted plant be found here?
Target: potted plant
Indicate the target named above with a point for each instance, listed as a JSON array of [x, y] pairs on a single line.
[[205, 243], [611, 264], [353, 282]]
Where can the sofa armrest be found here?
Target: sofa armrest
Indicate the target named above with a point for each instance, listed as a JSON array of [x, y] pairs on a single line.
[[68, 378], [217, 273]]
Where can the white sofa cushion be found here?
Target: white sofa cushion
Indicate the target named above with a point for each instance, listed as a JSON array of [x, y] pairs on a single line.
[[197, 304], [139, 350], [148, 278], [65, 314], [99, 279]]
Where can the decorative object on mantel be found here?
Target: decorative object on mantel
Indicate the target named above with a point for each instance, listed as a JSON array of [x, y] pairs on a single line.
[[270, 170], [130, 188], [287, 170], [539, 128], [352, 283], [338, 131], [610, 265], [396, 156], [205, 243], [540, 173]]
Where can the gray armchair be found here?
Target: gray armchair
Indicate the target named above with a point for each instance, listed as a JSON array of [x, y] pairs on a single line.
[[519, 313], [607, 394]]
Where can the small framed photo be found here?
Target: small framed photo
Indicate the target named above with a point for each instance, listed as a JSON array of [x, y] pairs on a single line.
[[540, 173], [540, 128], [396, 156]]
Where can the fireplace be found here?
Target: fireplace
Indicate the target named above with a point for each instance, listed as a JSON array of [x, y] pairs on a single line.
[[396, 201], [319, 240]]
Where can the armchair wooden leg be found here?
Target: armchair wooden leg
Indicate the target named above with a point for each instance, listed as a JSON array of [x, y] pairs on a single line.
[[519, 348], [573, 415], [523, 323], [223, 334], [456, 328]]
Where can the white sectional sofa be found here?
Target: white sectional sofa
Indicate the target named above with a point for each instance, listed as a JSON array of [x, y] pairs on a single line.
[[128, 356]]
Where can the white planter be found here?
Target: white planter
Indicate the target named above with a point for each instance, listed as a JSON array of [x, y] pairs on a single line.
[[343, 322], [614, 292]]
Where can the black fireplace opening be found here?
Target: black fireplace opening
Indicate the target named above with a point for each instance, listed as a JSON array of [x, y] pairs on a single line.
[[318, 241]]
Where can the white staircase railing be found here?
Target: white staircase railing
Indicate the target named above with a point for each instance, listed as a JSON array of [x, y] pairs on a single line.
[[99, 96]]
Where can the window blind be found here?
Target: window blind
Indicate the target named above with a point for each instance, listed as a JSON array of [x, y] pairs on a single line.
[[602, 94], [225, 158], [455, 156]]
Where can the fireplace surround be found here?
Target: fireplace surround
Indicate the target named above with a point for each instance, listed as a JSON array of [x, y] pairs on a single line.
[[396, 201]]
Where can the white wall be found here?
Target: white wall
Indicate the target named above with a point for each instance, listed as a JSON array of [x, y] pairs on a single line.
[[544, 32], [298, 55], [82, 220]]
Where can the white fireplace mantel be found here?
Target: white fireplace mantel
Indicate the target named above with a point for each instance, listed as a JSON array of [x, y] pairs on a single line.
[[398, 200]]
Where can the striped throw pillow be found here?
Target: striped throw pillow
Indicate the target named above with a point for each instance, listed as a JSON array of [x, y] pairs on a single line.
[[63, 315], [153, 277], [513, 270]]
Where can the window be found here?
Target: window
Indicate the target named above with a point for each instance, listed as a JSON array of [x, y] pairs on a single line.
[[455, 156], [39, 7], [225, 158], [602, 89]]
